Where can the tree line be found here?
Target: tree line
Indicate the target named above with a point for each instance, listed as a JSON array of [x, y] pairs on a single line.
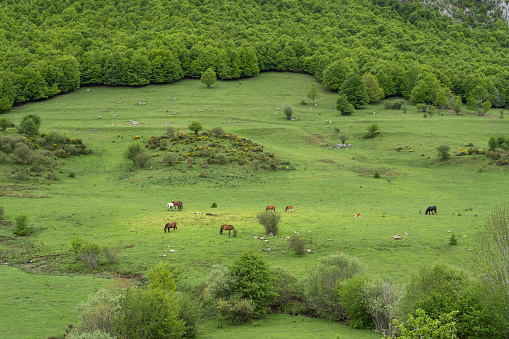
[[51, 47]]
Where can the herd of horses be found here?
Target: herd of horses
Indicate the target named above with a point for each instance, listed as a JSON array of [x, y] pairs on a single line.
[[178, 205]]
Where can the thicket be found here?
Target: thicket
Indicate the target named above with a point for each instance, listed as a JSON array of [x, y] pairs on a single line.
[[411, 50]]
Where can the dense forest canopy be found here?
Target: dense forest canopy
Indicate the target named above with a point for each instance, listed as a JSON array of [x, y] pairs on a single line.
[[50, 47]]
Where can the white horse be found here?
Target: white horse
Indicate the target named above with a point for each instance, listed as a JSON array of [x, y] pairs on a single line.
[[170, 206]]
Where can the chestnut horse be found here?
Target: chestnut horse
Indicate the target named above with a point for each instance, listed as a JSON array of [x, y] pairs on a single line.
[[358, 215], [289, 208], [431, 209], [178, 204], [228, 228], [170, 225], [270, 207]]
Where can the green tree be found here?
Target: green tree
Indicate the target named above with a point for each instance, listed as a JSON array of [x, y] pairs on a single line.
[[4, 123], [28, 127], [334, 75], [458, 105], [426, 89], [253, 280], [344, 106], [195, 126], [22, 227], [491, 248], [443, 152], [139, 69], [313, 93], [355, 90], [479, 99], [7, 91], [373, 89], [423, 326], [209, 77]]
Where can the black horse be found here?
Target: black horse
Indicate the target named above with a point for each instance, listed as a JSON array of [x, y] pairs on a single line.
[[431, 209]]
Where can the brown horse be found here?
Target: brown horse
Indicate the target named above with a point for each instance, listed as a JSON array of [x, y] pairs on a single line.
[[289, 208], [170, 225], [178, 204], [358, 215], [228, 228], [270, 207]]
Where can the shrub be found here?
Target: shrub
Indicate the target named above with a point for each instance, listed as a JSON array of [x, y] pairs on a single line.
[[377, 174], [97, 334], [443, 152], [3, 157], [381, 299], [288, 291], [214, 205], [29, 126], [217, 131], [169, 159], [89, 254], [148, 313], [253, 280], [22, 228], [343, 137], [4, 123], [321, 282], [235, 310], [453, 241], [422, 107], [351, 294], [220, 283], [170, 131], [1, 213], [435, 289], [297, 243], [373, 130], [394, 105], [110, 253], [141, 159], [288, 111], [22, 154], [269, 220], [190, 312], [132, 151]]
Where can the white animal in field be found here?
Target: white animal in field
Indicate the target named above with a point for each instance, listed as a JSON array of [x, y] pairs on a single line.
[[170, 206]]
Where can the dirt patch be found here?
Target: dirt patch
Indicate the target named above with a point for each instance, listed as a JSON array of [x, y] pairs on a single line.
[[18, 191], [314, 139]]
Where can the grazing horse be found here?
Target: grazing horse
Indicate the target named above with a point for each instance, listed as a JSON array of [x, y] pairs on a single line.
[[358, 215], [431, 209], [178, 204], [170, 206], [170, 225], [289, 208], [270, 207], [228, 228]]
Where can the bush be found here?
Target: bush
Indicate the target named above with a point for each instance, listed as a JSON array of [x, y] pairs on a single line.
[[321, 282], [132, 151], [29, 125], [394, 105], [190, 312], [269, 220], [443, 152], [4, 123], [235, 310], [22, 227], [170, 131], [297, 243], [377, 175], [288, 291], [217, 131], [381, 299], [89, 254], [110, 253], [97, 334], [353, 301], [141, 159], [253, 280], [288, 111], [22, 154], [435, 289], [373, 130], [169, 159], [1, 213], [453, 241], [214, 205], [220, 283], [423, 326]]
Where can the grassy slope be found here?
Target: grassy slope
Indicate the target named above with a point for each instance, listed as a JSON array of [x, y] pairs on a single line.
[[111, 206]]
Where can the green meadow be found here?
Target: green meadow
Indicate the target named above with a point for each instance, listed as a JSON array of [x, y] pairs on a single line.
[[109, 202]]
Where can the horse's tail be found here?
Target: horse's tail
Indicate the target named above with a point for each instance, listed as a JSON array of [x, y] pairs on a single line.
[[221, 230]]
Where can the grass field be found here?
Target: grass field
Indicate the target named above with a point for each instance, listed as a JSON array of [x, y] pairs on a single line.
[[112, 206]]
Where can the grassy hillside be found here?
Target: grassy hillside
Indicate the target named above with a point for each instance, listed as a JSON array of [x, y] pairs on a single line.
[[111, 205]]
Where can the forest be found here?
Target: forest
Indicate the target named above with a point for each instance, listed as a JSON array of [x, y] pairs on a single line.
[[51, 47]]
